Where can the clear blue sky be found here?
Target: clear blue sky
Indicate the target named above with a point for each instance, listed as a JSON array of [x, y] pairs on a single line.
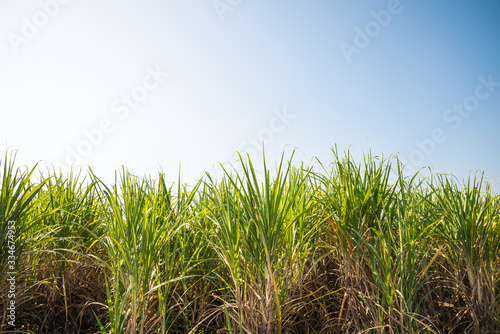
[[163, 83]]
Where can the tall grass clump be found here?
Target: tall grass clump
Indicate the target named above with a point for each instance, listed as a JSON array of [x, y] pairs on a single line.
[[65, 212], [17, 195], [469, 226], [139, 222], [344, 247], [263, 229], [380, 232]]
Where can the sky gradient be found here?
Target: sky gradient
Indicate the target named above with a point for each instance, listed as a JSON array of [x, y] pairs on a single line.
[[168, 83]]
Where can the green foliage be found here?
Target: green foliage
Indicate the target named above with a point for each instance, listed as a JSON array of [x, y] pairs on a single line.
[[249, 253]]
